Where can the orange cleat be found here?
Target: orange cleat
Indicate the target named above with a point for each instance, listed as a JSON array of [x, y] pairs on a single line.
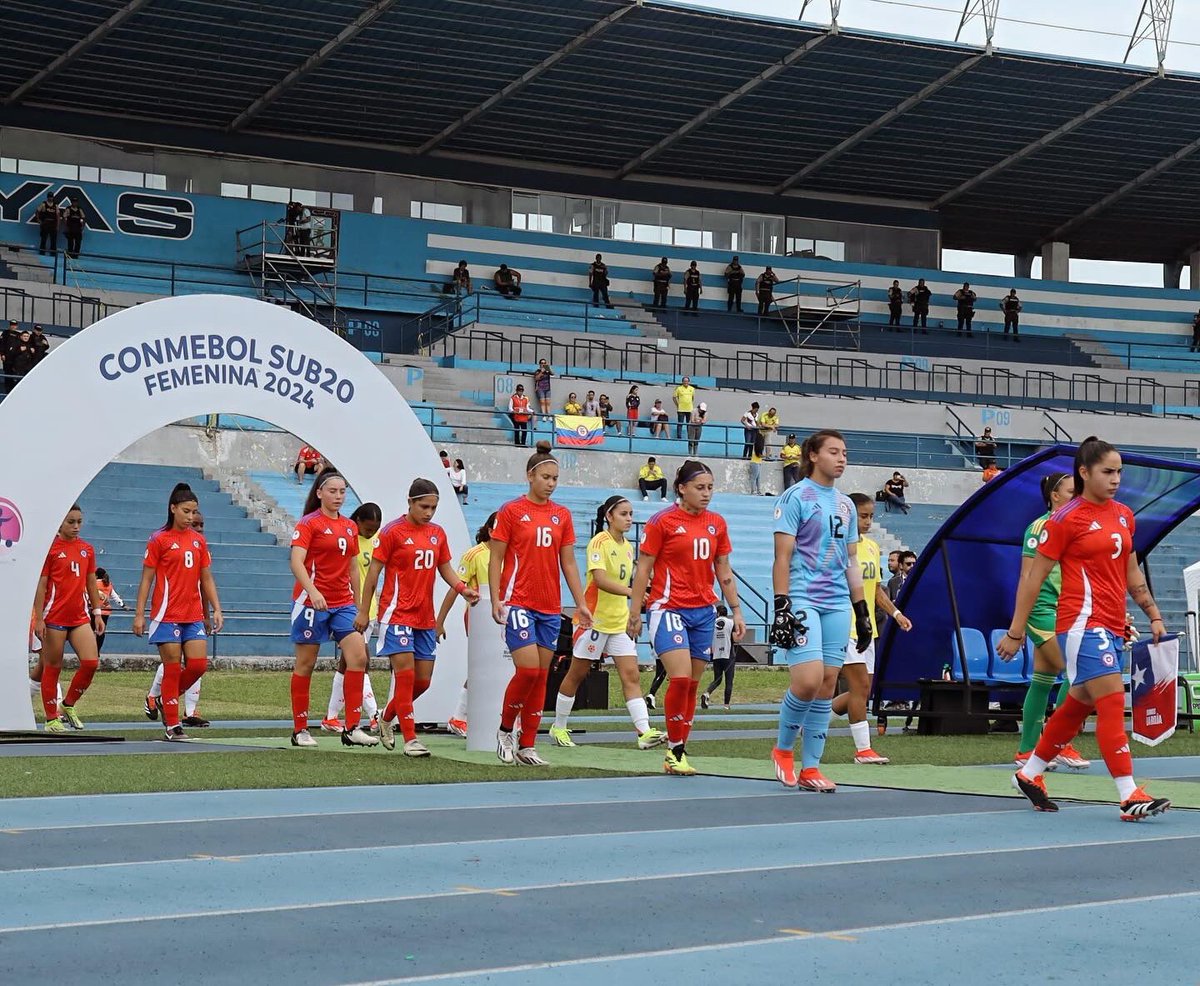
[[1034, 788], [870, 756], [332, 726], [1070, 758], [811, 779], [1140, 805], [785, 767]]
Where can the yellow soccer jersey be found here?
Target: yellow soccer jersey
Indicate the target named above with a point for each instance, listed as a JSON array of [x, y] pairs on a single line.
[[868, 559], [473, 566], [366, 548], [610, 613]]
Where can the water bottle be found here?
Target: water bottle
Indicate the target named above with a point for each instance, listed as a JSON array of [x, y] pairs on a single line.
[[946, 676]]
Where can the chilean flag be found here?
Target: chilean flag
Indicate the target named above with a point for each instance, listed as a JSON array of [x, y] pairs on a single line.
[[1154, 678], [576, 431]]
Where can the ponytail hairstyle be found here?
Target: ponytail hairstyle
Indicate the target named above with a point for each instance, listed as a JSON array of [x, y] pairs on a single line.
[[484, 534], [861, 499], [813, 444], [1050, 483], [1091, 450], [422, 488], [542, 454], [367, 511], [690, 469], [181, 494], [607, 507], [311, 502]]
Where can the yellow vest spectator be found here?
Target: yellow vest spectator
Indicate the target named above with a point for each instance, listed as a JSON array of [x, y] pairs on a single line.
[[684, 398], [650, 477], [790, 455]]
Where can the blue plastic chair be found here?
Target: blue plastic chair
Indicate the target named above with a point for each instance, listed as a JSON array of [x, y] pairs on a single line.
[[978, 655], [1018, 671]]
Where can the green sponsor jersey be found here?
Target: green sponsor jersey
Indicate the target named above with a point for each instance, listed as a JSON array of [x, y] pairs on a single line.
[[1045, 609]]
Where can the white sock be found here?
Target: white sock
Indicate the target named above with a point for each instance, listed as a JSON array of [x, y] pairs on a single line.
[[1035, 766], [861, 733], [391, 687], [156, 688], [1125, 787], [639, 714], [370, 707], [35, 687], [337, 697], [460, 711], [562, 709], [191, 698]]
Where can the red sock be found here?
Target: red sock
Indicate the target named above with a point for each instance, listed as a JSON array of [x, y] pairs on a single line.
[[1061, 728], [80, 681], [420, 687], [50, 691], [403, 702], [192, 672], [514, 696], [1110, 735], [531, 715], [675, 708], [301, 687], [352, 690], [170, 693], [693, 691], [389, 710]]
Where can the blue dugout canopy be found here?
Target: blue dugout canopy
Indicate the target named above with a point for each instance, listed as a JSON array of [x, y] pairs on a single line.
[[970, 568]]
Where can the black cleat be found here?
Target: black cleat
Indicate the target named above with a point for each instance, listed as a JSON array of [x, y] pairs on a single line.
[[1035, 790], [195, 722]]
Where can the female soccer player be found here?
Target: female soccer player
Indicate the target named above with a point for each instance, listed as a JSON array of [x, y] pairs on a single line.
[[178, 564], [324, 547], [817, 581], [532, 541], [723, 662], [473, 570], [66, 593], [411, 551], [367, 518], [1091, 538], [859, 667], [609, 569], [1057, 491], [683, 549]]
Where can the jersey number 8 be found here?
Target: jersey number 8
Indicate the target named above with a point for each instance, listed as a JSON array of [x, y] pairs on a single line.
[[189, 560]]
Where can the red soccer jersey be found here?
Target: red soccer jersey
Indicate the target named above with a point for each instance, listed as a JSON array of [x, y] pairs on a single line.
[[66, 570], [411, 554], [308, 455], [1091, 542], [684, 547], [177, 558], [535, 534], [331, 543]]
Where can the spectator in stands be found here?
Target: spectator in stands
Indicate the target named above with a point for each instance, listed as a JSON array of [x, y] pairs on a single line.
[[519, 413], [606, 412], [768, 425], [904, 568], [755, 469], [964, 299], [572, 405], [308, 460], [41, 345], [74, 221], [461, 279], [692, 288], [764, 290], [598, 281], [633, 405], [658, 421], [8, 345], [991, 472], [445, 457], [895, 304], [458, 479], [695, 427], [1196, 333], [661, 275], [790, 455], [919, 297], [684, 398], [48, 215], [541, 386], [985, 448], [591, 407], [750, 429], [893, 492], [1010, 304], [893, 562], [507, 281], [651, 478], [23, 359], [735, 276]]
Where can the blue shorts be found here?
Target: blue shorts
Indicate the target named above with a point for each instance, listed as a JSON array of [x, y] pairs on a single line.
[[1091, 653], [684, 629], [525, 627], [826, 640], [177, 633], [398, 639], [73, 626], [312, 626]]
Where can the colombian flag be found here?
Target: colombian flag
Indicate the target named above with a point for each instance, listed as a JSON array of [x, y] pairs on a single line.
[[577, 431]]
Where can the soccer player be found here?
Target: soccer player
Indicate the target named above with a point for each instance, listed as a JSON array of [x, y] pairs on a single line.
[[324, 547], [473, 570], [109, 597], [66, 592], [817, 581], [1091, 539], [683, 549], [723, 662], [609, 570], [859, 667], [533, 541], [1048, 664], [367, 518], [410, 552], [179, 566]]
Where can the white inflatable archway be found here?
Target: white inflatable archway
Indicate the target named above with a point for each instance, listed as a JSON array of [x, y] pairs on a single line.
[[161, 362]]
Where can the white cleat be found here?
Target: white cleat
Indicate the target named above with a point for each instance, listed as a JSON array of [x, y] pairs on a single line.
[[506, 748], [529, 757], [387, 734], [359, 737], [415, 748], [304, 738]]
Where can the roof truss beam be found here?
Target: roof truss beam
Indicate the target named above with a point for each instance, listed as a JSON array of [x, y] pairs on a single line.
[[701, 118], [77, 49], [345, 35], [517, 85], [879, 123]]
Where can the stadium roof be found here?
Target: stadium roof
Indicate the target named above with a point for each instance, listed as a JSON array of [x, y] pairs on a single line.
[[1011, 149]]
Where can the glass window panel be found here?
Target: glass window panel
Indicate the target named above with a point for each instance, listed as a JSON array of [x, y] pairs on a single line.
[[831, 249], [762, 234], [306, 196], [118, 176], [682, 226], [688, 237], [343, 201], [485, 206], [377, 205], [579, 216], [233, 190], [524, 210], [49, 169], [270, 193], [8, 165], [646, 221], [722, 229], [604, 221], [89, 174], [155, 181]]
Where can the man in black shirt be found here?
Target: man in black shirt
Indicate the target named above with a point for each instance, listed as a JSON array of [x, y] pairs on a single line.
[[1196, 333], [895, 304], [692, 288], [764, 290], [662, 282], [598, 281], [40, 344], [9, 341], [919, 297], [735, 274], [75, 222], [507, 281], [47, 216], [964, 298], [1011, 306]]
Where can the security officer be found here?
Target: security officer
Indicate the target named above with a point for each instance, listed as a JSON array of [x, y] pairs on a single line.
[[75, 221], [1011, 305], [47, 217], [598, 281], [918, 297], [662, 282], [735, 274], [964, 298], [895, 304], [692, 288], [764, 290]]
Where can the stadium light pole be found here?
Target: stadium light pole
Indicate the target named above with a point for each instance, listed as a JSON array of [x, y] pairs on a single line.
[[988, 10], [835, 10], [1154, 22]]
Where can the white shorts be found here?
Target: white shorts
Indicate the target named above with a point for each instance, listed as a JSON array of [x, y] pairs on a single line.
[[867, 657], [592, 645]]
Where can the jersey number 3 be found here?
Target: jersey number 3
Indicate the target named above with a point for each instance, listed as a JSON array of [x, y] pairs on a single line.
[[1118, 544]]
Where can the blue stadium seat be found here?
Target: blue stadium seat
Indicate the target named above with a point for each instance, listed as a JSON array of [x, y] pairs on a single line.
[[1019, 670], [978, 655]]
